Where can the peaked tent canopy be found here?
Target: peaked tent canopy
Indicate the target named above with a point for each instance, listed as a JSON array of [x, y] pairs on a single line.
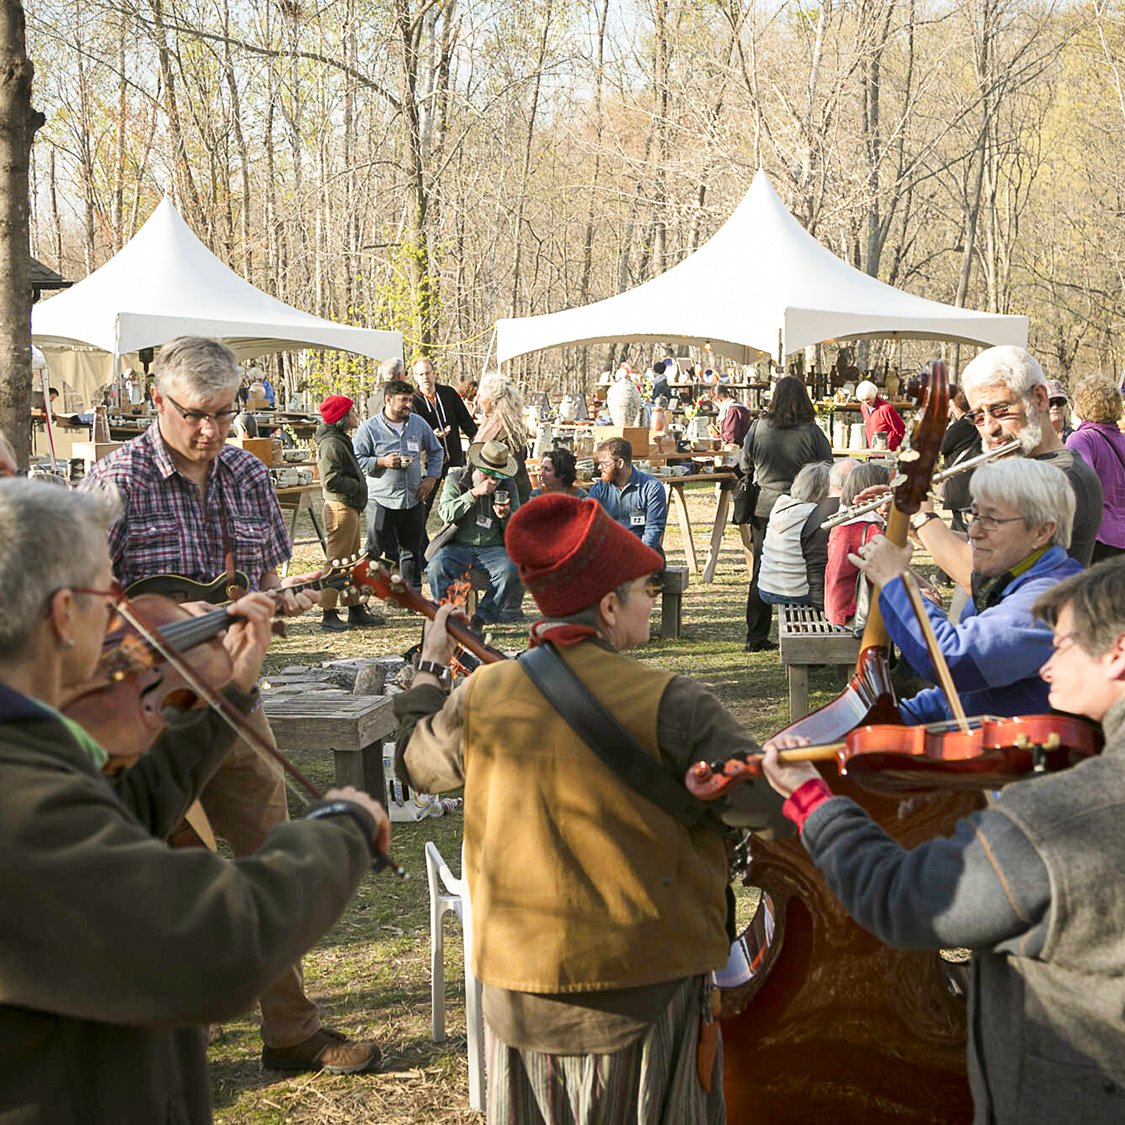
[[761, 284], [166, 283]]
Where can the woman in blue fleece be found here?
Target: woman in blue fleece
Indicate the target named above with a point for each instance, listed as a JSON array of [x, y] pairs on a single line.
[[1019, 529]]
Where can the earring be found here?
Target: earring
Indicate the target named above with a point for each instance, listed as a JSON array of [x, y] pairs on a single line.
[[66, 643]]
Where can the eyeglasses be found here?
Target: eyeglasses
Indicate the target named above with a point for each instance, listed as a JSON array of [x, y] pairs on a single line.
[[989, 523], [114, 594], [997, 410], [1057, 402], [494, 475], [1062, 643], [654, 585], [220, 418]]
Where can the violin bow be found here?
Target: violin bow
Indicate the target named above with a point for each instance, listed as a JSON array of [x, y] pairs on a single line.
[[235, 720], [937, 657]]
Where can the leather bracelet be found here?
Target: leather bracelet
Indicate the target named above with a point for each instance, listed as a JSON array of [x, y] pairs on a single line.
[[433, 667]]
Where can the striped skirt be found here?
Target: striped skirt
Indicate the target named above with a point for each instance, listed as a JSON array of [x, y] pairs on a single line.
[[653, 1081]]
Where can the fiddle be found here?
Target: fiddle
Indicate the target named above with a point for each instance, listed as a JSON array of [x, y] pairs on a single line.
[[392, 587], [893, 760], [138, 682]]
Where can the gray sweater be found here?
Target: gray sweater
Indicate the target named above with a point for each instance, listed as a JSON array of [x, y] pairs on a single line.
[[1032, 885]]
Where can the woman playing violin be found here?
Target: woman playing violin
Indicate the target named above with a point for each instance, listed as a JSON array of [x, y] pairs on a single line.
[[112, 945], [1019, 528], [1032, 885]]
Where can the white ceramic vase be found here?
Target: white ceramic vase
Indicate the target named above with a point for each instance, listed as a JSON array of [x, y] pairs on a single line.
[[623, 401]]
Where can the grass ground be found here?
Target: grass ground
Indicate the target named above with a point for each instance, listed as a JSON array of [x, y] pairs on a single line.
[[371, 972]]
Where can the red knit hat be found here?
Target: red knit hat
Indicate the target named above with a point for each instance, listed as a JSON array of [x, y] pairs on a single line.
[[335, 407], [570, 554]]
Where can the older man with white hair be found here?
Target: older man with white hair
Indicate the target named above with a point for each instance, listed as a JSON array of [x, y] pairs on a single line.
[[879, 417], [1008, 399], [1019, 528]]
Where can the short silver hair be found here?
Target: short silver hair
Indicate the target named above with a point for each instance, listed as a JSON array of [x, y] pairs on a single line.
[[810, 485], [1008, 366], [50, 538], [1037, 490], [866, 390], [840, 471], [391, 369], [206, 367]]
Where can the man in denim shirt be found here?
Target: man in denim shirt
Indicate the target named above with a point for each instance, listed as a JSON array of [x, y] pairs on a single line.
[[632, 498], [390, 447]]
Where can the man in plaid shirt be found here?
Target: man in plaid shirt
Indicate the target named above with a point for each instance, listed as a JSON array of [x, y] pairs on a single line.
[[188, 501]]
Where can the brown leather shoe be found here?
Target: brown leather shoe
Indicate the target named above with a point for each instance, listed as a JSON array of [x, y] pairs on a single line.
[[326, 1050]]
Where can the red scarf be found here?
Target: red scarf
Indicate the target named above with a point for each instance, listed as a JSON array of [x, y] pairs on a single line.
[[559, 633]]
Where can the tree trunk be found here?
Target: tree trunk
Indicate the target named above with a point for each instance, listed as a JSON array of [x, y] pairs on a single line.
[[18, 123]]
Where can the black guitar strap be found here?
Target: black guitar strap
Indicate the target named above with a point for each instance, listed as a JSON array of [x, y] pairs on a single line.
[[612, 743]]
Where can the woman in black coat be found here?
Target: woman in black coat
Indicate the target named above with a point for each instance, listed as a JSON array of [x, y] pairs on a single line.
[[779, 444]]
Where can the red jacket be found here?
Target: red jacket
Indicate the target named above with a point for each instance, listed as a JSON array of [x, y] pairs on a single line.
[[882, 418], [840, 575]]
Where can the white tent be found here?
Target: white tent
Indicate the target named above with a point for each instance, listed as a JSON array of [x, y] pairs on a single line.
[[762, 283], [166, 283]]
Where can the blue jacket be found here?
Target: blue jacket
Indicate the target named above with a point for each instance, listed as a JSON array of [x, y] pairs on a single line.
[[994, 656], [397, 488], [640, 507]]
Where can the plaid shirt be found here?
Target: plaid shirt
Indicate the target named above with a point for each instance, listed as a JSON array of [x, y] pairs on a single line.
[[168, 528]]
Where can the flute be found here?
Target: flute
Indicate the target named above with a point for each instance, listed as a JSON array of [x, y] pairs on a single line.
[[845, 514]]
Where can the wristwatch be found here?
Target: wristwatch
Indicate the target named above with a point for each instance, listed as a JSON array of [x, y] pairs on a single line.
[[433, 667], [920, 519]]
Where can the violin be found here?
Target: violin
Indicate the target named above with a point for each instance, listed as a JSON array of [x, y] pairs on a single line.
[[894, 760], [121, 705], [142, 670], [392, 587]]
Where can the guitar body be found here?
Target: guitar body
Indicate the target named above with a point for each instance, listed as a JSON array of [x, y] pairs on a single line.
[[180, 589], [835, 1025]]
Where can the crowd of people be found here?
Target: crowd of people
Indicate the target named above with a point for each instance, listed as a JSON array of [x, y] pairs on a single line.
[[601, 900]]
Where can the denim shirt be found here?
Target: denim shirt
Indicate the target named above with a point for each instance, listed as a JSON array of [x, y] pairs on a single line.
[[396, 488], [640, 507]]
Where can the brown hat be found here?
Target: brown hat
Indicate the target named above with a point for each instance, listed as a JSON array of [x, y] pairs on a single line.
[[493, 457], [570, 553]]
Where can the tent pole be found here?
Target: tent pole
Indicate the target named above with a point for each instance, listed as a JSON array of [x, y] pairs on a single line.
[[488, 352]]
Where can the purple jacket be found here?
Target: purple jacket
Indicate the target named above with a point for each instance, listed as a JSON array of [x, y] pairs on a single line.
[[1102, 446]]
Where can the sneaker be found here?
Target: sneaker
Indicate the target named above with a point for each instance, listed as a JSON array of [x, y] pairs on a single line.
[[360, 615], [331, 622], [327, 1050]]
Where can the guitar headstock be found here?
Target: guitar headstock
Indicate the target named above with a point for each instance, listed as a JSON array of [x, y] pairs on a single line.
[[373, 576]]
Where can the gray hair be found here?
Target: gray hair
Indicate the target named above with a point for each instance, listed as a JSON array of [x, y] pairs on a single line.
[[206, 367], [864, 476], [1097, 604], [866, 391], [810, 485], [391, 369], [840, 471], [508, 404], [1007, 366], [50, 538], [1037, 490]]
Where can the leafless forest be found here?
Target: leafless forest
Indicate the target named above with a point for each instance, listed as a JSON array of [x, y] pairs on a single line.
[[431, 165]]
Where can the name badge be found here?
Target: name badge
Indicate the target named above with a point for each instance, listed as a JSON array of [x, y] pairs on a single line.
[[484, 521], [413, 447], [637, 519]]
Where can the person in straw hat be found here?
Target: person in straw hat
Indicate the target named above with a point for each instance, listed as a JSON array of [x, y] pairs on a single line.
[[597, 915], [476, 502]]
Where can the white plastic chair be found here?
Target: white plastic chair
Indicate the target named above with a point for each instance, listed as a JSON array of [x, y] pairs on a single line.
[[447, 892]]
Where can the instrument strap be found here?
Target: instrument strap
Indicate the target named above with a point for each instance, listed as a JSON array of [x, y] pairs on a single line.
[[612, 743]]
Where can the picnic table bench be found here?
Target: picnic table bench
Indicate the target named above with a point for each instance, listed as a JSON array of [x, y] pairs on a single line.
[[353, 727], [805, 637]]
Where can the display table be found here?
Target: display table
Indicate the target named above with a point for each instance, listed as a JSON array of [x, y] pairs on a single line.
[[725, 483]]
